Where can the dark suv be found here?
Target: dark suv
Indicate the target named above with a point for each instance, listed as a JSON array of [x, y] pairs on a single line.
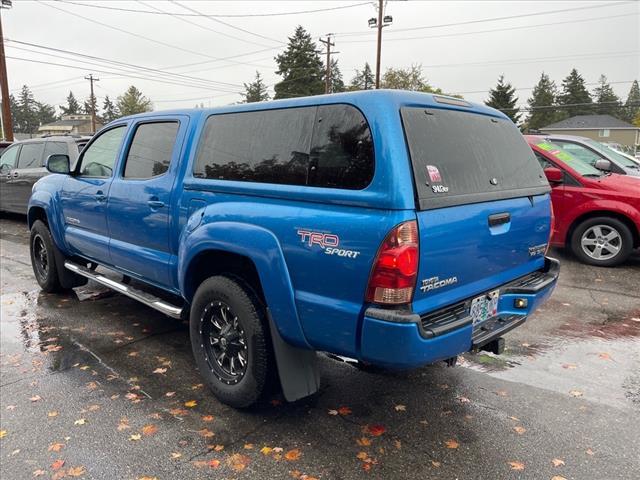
[[22, 165]]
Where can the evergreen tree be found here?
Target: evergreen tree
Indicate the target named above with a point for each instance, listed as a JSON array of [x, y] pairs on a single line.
[[109, 110], [575, 98], [90, 104], [363, 79], [27, 111], [15, 113], [337, 83], [607, 102], [632, 105], [45, 113], [72, 107], [255, 91], [544, 95], [407, 79], [132, 101], [301, 68], [503, 98]]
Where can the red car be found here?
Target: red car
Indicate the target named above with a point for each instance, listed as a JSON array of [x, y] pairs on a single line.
[[597, 214]]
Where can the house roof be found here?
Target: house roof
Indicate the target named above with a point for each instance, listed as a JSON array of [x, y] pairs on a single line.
[[66, 123], [589, 122]]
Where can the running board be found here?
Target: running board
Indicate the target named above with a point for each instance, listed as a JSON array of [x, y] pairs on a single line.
[[142, 297]]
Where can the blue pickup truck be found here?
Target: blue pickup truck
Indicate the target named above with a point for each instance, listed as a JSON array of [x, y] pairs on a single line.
[[393, 228]]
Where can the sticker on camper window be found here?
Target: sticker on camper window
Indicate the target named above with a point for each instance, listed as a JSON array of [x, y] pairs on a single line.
[[434, 173]]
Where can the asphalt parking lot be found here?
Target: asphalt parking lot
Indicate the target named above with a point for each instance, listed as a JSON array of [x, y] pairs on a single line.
[[94, 385]]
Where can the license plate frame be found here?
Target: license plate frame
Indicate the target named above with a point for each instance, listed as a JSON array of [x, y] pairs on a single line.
[[484, 307]]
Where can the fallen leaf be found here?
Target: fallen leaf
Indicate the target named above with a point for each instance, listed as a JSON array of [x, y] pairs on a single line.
[[80, 421], [11, 407], [364, 441], [589, 452], [206, 433], [133, 354], [436, 464], [94, 408], [3, 433], [146, 477], [519, 429], [362, 455], [178, 412], [213, 463], [199, 463], [344, 411], [375, 430], [576, 393], [52, 414], [604, 356], [557, 462], [398, 444], [57, 465], [400, 408], [123, 425], [502, 393], [452, 444], [569, 366], [266, 450], [558, 477], [39, 472], [76, 471], [149, 429], [190, 404], [55, 447], [36, 398], [169, 394], [293, 455], [208, 418], [135, 437], [462, 399], [218, 448], [92, 386], [175, 455], [248, 446], [238, 462], [333, 412], [517, 466], [160, 370]]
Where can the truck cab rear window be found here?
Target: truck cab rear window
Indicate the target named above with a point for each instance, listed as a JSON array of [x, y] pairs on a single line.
[[326, 146], [463, 157]]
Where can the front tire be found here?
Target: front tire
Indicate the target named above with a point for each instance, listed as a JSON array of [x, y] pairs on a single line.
[[230, 341], [43, 258], [602, 241]]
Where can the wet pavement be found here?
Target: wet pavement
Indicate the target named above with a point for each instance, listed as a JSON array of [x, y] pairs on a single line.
[[93, 385]]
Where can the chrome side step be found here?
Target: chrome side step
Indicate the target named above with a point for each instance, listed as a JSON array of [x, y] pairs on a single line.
[[142, 297]]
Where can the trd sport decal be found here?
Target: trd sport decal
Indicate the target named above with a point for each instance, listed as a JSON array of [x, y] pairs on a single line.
[[328, 242]]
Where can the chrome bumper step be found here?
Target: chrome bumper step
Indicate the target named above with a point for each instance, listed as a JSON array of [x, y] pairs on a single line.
[[142, 297]]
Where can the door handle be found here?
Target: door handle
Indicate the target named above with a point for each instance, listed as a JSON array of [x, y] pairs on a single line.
[[499, 219], [100, 196], [15, 174], [155, 203]]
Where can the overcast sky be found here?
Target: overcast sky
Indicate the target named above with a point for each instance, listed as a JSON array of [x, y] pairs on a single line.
[[466, 57]]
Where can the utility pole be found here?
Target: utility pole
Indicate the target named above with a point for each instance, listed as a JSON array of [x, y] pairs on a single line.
[[379, 23], [92, 79], [4, 82], [327, 80]]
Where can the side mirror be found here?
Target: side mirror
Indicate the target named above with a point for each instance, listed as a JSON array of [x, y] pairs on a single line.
[[603, 164], [554, 175], [58, 163]]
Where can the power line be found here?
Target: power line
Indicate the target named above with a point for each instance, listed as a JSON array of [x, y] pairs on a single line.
[[243, 15], [531, 88], [494, 19], [560, 107], [227, 24]]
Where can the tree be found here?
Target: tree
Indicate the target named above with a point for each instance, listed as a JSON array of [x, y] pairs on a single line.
[[607, 102], [301, 68], [45, 113], [363, 79], [132, 101], [632, 105], [72, 107], [336, 84], [407, 79], [90, 105], [575, 97], [503, 98], [109, 110], [544, 95], [27, 111], [255, 91]]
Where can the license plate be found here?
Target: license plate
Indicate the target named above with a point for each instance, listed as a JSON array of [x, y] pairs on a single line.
[[485, 306]]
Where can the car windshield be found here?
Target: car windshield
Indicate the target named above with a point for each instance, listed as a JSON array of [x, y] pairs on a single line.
[[580, 166], [628, 160], [618, 158]]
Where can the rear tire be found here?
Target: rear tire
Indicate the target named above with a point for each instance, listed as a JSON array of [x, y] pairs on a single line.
[[230, 342], [602, 241], [43, 258]]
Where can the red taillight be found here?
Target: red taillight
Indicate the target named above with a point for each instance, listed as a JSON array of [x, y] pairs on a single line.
[[393, 277]]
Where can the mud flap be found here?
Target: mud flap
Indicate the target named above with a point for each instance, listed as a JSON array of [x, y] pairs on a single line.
[[67, 278], [297, 367]]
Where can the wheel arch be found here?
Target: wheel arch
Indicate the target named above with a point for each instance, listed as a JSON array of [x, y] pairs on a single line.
[[604, 213]]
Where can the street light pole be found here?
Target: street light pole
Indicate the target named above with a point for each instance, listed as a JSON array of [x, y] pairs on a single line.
[[4, 83], [92, 99]]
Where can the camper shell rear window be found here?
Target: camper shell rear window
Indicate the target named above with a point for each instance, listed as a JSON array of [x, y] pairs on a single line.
[[461, 157]]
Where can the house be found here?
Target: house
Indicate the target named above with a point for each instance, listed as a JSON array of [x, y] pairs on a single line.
[[69, 125], [602, 128]]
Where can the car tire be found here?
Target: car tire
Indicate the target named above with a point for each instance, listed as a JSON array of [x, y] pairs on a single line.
[[230, 342], [602, 241], [43, 258]]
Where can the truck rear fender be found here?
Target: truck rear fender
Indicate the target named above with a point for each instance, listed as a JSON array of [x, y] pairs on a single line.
[[262, 248]]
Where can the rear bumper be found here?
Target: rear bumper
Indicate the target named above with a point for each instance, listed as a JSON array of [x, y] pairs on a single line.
[[401, 339]]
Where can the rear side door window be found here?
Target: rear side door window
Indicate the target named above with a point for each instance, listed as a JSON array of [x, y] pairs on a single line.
[[9, 158], [342, 149], [31, 155], [151, 150], [99, 158]]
